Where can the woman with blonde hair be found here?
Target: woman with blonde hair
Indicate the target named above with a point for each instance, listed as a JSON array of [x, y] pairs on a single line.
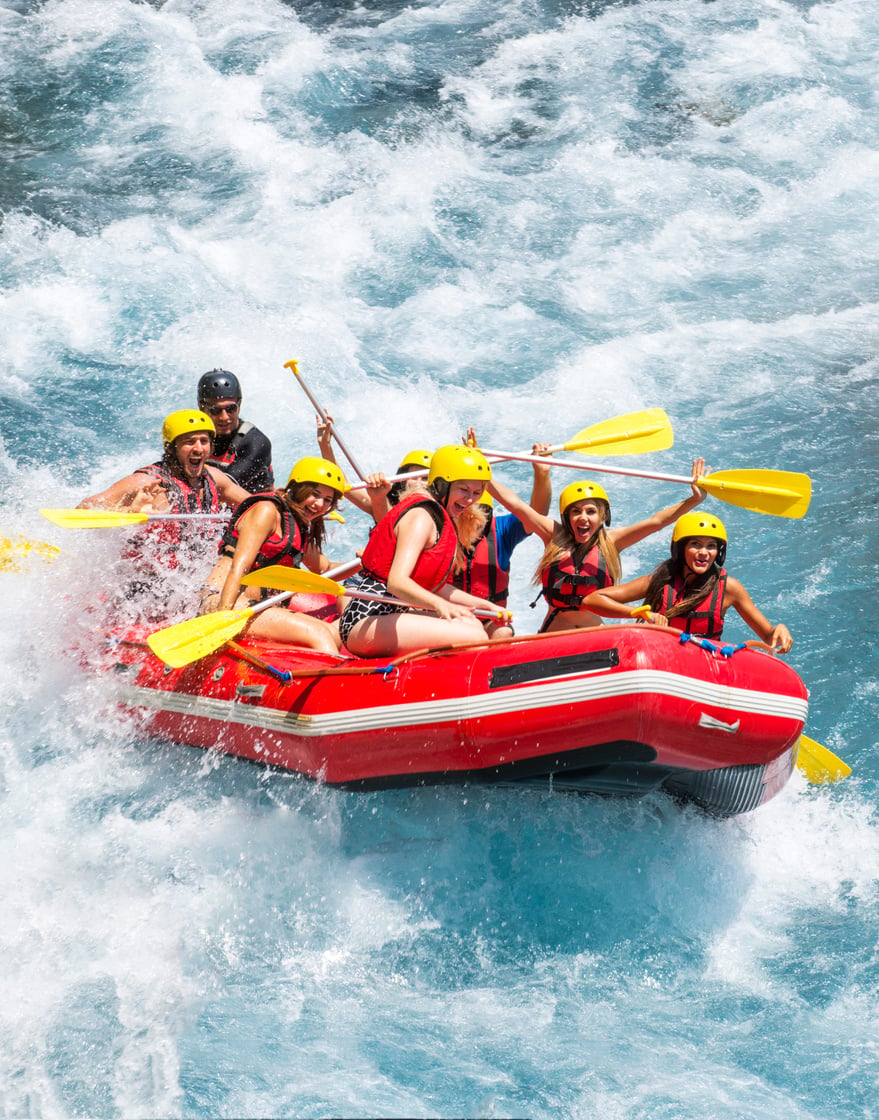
[[411, 555], [582, 552]]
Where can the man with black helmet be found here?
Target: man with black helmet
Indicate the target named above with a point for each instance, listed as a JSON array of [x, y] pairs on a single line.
[[240, 449]]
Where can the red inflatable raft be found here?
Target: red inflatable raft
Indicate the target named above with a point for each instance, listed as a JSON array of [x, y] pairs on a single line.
[[618, 709]]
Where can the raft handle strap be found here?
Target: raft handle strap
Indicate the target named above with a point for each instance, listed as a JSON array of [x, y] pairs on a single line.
[[724, 650], [281, 675]]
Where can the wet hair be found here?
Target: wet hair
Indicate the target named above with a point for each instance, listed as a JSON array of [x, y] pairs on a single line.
[[563, 541]]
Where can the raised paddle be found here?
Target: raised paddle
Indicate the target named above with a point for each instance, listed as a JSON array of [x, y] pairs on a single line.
[[195, 638], [779, 493], [636, 433], [818, 764], [114, 518], [295, 579], [294, 366]]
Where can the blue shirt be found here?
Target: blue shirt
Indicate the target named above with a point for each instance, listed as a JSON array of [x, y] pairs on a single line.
[[510, 532]]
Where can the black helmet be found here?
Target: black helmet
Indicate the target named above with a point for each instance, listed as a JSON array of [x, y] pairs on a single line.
[[218, 385]]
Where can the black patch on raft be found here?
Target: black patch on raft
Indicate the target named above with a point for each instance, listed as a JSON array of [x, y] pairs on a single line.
[[549, 667]]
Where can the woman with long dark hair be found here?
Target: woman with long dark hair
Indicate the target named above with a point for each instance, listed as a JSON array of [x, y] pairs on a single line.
[[691, 591], [285, 527]]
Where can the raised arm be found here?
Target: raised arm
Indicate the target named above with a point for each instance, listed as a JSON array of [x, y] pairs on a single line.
[[628, 535], [325, 443], [541, 490], [533, 521]]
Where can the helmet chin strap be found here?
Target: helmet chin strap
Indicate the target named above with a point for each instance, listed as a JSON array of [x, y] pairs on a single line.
[[442, 489]]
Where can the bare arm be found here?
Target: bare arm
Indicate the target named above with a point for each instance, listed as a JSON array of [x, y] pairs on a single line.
[[254, 528], [533, 521], [325, 443], [632, 534], [137, 492], [541, 490], [415, 532], [612, 601], [315, 560], [456, 595], [778, 636], [377, 491]]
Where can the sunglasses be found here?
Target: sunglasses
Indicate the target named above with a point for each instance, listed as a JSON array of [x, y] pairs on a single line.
[[216, 409]]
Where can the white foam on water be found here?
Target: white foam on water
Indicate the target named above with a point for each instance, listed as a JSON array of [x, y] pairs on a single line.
[[530, 226]]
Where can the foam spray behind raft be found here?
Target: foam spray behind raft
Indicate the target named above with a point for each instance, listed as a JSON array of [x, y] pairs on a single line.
[[521, 220]]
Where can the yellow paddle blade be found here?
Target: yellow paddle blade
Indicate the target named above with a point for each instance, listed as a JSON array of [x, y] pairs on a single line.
[[92, 518], [293, 579], [818, 764], [21, 552], [195, 638], [633, 434], [780, 493]]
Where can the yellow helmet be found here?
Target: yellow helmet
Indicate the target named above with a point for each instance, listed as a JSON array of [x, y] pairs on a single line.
[[320, 472], [486, 500], [419, 459], [583, 491], [184, 421], [457, 463], [699, 525]]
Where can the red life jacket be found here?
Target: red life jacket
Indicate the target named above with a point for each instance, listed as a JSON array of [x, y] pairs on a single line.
[[705, 618], [566, 586], [434, 565], [285, 548], [171, 536], [482, 575]]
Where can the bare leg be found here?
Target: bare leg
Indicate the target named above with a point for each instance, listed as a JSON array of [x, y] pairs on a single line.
[[387, 635], [497, 631], [280, 625]]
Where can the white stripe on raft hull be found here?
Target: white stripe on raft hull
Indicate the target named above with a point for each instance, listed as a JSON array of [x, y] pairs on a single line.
[[612, 709], [641, 683]]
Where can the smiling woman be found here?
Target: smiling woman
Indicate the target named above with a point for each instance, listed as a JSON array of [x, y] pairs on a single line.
[[411, 554], [691, 591], [285, 528]]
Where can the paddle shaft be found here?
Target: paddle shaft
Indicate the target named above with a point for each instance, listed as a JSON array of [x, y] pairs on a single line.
[[185, 516], [294, 366], [497, 456], [543, 460], [500, 456]]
